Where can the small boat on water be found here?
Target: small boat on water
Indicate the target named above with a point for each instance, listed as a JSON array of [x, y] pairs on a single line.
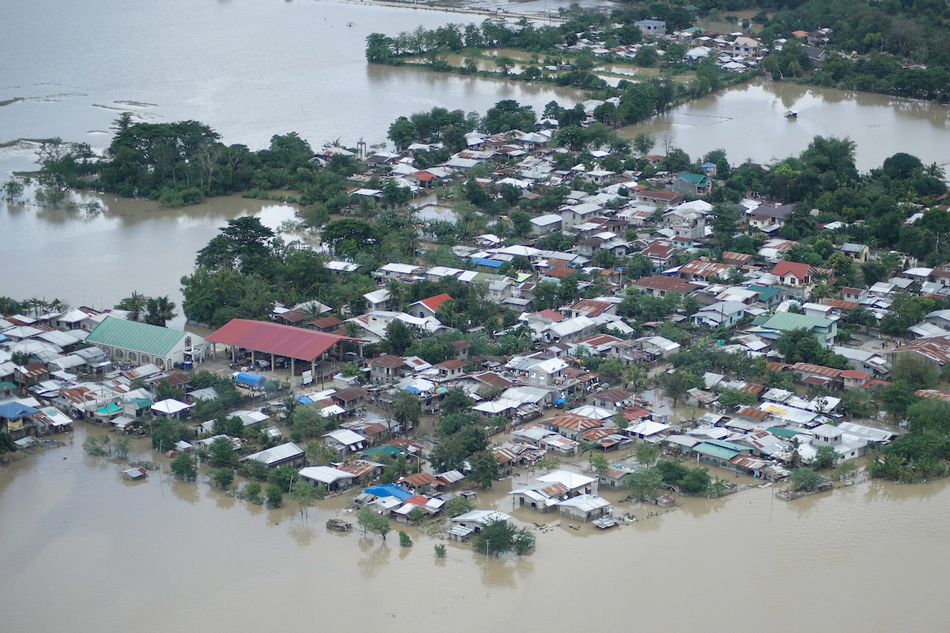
[[791, 114]]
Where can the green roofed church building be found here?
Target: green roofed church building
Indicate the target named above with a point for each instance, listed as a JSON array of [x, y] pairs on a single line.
[[138, 343]]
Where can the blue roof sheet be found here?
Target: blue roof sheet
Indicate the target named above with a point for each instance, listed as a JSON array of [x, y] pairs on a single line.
[[15, 410], [389, 490]]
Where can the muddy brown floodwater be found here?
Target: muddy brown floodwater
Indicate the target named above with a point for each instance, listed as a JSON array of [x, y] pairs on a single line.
[[83, 550]]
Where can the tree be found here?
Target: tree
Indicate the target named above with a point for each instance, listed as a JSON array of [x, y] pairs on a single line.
[[122, 446], [805, 479], [135, 303], [647, 454], [455, 401], [221, 452], [915, 371], [484, 469], [599, 463], [223, 477], [252, 492], [520, 222], [696, 481], [159, 310], [303, 493], [501, 537], [404, 539], [729, 398], [402, 132], [372, 521], [825, 458], [643, 143], [166, 432], [407, 410], [96, 445], [676, 384], [644, 484], [398, 337], [183, 467], [275, 496], [458, 505]]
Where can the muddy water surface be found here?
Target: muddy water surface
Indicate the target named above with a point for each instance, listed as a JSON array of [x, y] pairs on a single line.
[[90, 552]]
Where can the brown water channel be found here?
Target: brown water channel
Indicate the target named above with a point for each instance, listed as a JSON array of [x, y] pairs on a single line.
[[83, 550]]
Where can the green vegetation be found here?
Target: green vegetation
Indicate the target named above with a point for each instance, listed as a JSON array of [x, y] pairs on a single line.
[[275, 496], [223, 477], [501, 537], [97, 445], [920, 454], [184, 467], [372, 521], [439, 551], [404, 539]]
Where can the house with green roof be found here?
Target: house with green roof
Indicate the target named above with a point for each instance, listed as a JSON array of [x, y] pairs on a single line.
[[138, 343], [692, 184], [825, 330]]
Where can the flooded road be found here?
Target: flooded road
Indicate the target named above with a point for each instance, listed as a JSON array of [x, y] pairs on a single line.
[[94, 553]]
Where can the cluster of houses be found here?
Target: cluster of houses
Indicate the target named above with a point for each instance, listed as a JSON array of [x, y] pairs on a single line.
[[735, 52]]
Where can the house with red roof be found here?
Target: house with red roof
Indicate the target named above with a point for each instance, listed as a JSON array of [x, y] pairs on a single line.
[[794, 273], [428, 307]]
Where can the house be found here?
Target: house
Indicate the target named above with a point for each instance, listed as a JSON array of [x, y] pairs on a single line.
[[659, 285], [333, 479], [746, 47], [857, 252], [140, 343], [288, 453], [428, 307], [548, 372], [611, 399], [794, 273], [385, 368], [660, 253], [661, 196], [585, 508], [703, 270], [377, 300], [451, 369], [651, 28], [692, 184], [345, 441], [350, 399], [544, 224], [933, 349], [825, 330], [721, 313], [461, 349]]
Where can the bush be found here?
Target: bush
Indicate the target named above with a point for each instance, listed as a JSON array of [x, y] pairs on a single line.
[[184, 467], [439, 551], [223, 477], [252, 492], [404, 539], [275, 496]]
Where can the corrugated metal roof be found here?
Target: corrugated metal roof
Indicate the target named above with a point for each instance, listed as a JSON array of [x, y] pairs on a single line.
[[273, 338], [141, 337]]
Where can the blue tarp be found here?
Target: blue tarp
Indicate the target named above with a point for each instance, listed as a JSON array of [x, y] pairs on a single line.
[[304, 400], [254, 380], [15, 410], [491, 263], [559, 401], [389, 490], [411, 389]]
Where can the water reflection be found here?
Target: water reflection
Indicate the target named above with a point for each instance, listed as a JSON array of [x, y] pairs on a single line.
[[186, 491], [504, 572], [303, 534], [375, 556]]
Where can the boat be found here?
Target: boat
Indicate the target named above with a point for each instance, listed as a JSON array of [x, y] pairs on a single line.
[[791, 114]]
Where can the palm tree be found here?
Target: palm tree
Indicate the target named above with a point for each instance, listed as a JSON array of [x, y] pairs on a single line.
[[134, 304], [159, 310]]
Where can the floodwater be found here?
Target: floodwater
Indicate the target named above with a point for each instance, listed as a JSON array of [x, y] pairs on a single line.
[[253, 68], [97, 259], [92, 552], [748, 121]]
